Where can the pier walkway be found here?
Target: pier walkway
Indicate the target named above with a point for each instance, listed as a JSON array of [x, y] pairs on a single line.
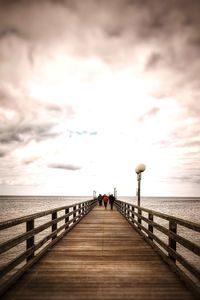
[[103, 257]]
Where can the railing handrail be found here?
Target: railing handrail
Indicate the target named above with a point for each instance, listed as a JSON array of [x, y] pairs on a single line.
[[180, 221], [167, 250], [71, 215], [16, 221]]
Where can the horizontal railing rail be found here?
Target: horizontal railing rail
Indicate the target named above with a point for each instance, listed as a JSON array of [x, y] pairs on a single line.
[[32, 246], [145, 221]]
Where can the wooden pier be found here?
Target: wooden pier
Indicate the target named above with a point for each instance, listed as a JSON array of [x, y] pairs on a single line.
[[103, 257]]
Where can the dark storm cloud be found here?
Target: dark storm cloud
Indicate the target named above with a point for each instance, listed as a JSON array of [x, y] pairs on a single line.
[[6, 32], [69, 167], [111, 29], [9, 137], [23, 134], [115, 31], [31, 119]]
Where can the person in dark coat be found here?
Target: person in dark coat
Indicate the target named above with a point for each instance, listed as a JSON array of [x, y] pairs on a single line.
[[100, 198], [111, 201]]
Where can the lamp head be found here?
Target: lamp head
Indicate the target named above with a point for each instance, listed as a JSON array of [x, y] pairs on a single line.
[[140, 168]]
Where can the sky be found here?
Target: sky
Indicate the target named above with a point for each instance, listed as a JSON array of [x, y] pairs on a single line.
[[90, 89]]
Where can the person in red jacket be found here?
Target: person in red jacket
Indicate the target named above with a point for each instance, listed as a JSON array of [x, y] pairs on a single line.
[[105, 200]]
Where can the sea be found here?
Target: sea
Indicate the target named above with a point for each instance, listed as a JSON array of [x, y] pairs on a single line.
[[11, 207], [187, 208]]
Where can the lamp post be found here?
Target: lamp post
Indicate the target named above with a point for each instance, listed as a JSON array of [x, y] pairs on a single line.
[[139, 169], [94, 195], [115, 193]]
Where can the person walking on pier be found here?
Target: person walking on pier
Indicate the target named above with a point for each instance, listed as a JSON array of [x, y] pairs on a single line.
[[100, 198], [111, 201], [105, 200]]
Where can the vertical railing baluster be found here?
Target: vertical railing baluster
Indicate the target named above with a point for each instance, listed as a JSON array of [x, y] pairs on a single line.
[[54, 226], [79, 211], [150, 227], [172, 242], [67, 218], [74, 214], [128, 211], [30, 241], [133, 216]]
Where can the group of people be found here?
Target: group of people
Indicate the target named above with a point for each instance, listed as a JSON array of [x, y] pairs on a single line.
[[105, 199]]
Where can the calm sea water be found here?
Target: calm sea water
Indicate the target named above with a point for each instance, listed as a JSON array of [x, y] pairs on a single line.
[[18, 206]]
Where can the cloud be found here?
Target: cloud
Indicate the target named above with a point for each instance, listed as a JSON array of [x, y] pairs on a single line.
[[23, 118], [72, 70], [7, 32], [25, 133], [151, 113], [64, 166], [2, 153], [194, 143], [154, 61]]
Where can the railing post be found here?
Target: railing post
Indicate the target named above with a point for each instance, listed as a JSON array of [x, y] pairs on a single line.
[[132, 214], [30, 241], [172, 242], [67, 218], [79, 211], [54, 226], [74, 214], [150, 227], [129, 213]]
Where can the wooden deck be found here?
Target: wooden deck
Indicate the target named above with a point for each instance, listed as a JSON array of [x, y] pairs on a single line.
[[103, 257]]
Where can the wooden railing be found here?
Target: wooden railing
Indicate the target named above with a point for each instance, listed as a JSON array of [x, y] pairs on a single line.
[[27, 248], [152, 225]]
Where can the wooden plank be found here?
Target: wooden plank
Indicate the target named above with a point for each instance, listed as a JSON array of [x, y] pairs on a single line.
[[103, 257]]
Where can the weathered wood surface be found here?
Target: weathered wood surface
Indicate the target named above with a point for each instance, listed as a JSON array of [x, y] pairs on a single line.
[[103, 257]]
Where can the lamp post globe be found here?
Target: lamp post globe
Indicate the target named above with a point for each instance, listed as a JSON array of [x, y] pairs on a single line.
[[140, 168]]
